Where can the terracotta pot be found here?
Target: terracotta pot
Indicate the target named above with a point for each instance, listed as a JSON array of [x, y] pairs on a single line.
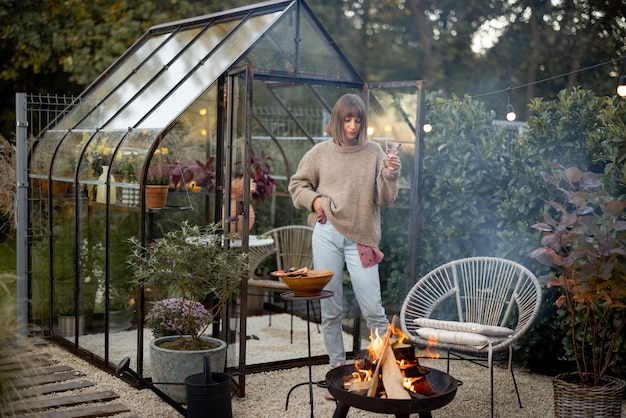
[[58, 187], [237, 226], [156, 196]]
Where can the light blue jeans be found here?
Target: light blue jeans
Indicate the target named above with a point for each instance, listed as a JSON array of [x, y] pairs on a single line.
[[331, 251]]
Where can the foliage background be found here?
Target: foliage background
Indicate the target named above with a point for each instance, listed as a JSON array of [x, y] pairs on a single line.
[[60, 46]]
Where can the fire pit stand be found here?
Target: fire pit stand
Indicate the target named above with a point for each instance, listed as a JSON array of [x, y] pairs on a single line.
[[291, 296], [443, 385]]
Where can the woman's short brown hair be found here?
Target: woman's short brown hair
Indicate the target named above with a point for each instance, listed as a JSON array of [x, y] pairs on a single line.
[[348, 105]]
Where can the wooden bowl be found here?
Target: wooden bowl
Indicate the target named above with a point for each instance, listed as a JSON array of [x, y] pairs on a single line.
[[309, 285]]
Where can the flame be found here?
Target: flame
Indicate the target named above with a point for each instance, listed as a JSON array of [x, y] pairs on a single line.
[[364, 371], [414, 376], [376, 345], [428, 352], [401, 336]]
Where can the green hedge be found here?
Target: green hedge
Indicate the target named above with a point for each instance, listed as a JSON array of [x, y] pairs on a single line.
[[482, 192]]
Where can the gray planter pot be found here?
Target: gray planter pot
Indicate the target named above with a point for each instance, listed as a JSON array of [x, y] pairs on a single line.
[[174, 366]]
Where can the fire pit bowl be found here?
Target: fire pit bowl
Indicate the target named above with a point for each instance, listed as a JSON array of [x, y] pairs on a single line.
[[310, 284], [444, 390]]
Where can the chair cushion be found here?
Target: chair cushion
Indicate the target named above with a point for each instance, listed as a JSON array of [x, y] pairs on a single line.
[[469, 327], [453, 337]]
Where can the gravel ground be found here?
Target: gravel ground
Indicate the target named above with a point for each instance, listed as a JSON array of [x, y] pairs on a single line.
[[266, 392]]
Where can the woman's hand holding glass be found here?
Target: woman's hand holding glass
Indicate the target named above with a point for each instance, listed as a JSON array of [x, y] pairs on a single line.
[[393, 161]]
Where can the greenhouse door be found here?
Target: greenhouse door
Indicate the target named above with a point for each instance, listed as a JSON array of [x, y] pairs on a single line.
[[237, 148], [396, 113]]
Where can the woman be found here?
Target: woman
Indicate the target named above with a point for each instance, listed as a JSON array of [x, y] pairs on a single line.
[[343, 182]]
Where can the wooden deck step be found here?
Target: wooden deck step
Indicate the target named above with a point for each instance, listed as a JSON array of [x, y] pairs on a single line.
[[36, 371], [18, 363], [66, 401], [46, 379], [58, 388], [92, 411], [38, 375]]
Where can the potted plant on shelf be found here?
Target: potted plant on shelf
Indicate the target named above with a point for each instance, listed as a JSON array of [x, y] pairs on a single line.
[[202, 175], [125, 170], [191, 264], [584, 243], [98, 160], [158, 179]]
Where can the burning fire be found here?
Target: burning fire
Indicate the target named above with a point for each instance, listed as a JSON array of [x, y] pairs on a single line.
[[413, 377]]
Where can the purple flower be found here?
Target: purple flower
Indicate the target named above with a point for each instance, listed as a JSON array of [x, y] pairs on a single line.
[[177, 316]]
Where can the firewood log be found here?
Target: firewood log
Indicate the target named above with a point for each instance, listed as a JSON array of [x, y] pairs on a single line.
[[392, 377], [374, 384]]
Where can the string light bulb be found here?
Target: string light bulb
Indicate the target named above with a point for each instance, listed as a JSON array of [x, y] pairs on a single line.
[[510, 112], [428, 128], [621, 85]]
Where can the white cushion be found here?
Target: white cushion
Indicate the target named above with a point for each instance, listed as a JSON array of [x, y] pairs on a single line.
[[453, 337], [470, 327]]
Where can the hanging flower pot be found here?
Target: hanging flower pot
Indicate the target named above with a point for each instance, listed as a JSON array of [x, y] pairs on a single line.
[[156, 196]]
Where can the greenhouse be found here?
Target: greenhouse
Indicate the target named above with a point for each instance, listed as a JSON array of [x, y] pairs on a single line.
[[191, 108]]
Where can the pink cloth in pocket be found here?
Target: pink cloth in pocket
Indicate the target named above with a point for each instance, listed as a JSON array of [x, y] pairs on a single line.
[[370, 256]]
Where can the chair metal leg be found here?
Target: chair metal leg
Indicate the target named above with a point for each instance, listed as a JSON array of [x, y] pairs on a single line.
[[519, 400], [491, 378]]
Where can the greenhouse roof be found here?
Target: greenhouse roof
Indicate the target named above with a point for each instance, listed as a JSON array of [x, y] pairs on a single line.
[[174, 63]]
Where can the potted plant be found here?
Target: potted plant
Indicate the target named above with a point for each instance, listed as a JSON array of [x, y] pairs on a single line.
[[584, 244], [158, 179], [193, 265], [121, 304], [203, 176], [125, 170]]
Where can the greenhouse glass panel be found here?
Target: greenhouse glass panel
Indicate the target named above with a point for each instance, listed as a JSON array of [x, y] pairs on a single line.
[[151, 70], [68, 154], [64, 277], [39, 293], [44, 151], [178, 69], [132, 61], [321, 58], [276, 51], [217, 61], [99, 154]]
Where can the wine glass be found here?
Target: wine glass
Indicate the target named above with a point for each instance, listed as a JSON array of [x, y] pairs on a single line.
[[392, 148]]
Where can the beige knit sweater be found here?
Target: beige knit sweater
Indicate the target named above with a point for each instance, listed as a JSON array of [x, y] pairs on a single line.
[[352, 186]]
